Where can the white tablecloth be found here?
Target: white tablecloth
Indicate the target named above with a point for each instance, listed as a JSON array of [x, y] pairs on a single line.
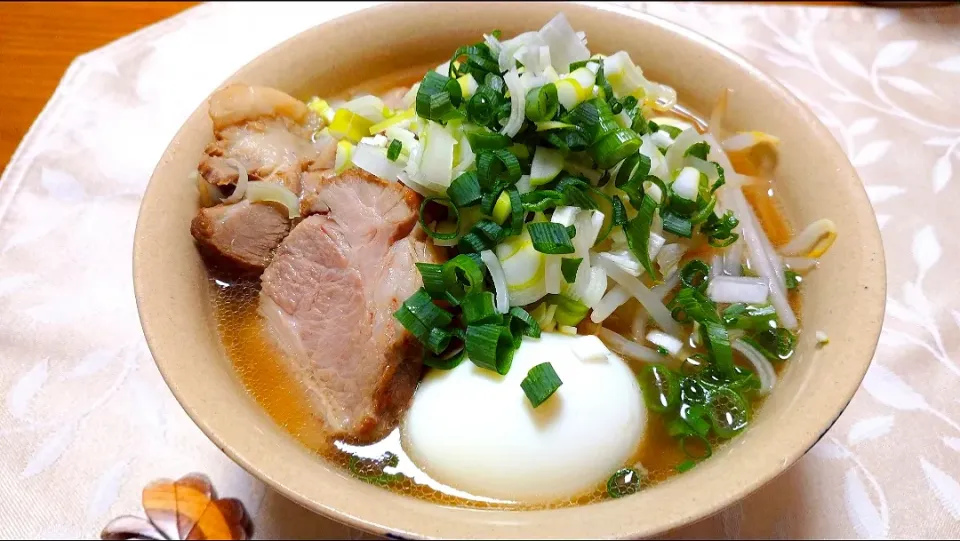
[[86, 421]]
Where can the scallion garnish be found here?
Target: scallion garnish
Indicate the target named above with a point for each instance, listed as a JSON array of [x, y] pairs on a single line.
[[676, 224], [637, 232], [438, 98], [550, 238], [695, 274], [451, 210], [619, 211], [393, 151], [497, 165], [661, 388], [793, 279], [490, 346], [542, 103], [624, 482], [540, 384], [421, 305], [479, 308], [464, 191], [569, 267], [462, 276], [432, 275], [699, 149], [522, 323]]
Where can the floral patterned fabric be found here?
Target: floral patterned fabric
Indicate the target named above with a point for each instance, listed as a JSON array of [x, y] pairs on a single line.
[[86, 421]]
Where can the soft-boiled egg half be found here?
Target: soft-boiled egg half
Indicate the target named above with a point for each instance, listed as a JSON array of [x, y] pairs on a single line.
[[476, 431]]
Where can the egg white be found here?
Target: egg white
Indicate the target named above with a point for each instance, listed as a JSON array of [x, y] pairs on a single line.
[[476, 431]]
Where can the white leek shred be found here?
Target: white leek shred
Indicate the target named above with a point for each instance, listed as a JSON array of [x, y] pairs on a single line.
[[628, 348], [669, 257], [552, 275], [274, 193], [647, 298], [763, 368], [566, 47], [242, 181], [716, 266], [512, 80], [687, 184], [624, 259], [567, 329], [589, 286], [509, 48], [822, 338], [435, 168], [589, 348], [493, 44], [523, 185], [609, 303], [730, 289], [672, 344], [683, 141], [499, 280], [369, 107], [467, 157], [655, 245], [374, 160]]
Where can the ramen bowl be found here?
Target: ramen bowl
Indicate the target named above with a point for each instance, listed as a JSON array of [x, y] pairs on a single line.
[[844, 298]]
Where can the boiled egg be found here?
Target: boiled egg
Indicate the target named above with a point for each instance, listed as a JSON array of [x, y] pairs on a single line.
[[475, 430]]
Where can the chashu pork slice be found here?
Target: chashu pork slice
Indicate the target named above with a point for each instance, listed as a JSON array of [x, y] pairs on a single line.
[[329, 296], [267, 133]]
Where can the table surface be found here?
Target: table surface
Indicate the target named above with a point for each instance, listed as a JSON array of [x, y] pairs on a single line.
[[39, 40]]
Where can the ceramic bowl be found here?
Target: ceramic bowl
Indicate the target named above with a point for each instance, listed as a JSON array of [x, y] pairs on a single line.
[[844, 298]]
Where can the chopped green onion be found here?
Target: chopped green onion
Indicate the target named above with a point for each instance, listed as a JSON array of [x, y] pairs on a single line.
[[438, 340], [490, 230], [411, 323], [689, 440], [699, 149], [686, 466], [749, 316], [517, 214], [661, 388], [522, 323], [421, 305], [569, 267], [464, 191], [481, 138], [495, 81], [672, 131], [729, 412], [541, 200], [462, 276], [695, 415], [482, 106], [619, 211], [705, 210], [635, 166], [623, 483], [490, 346], [540, 384], [479, 308], [614, 147], [793, 279], [497, 165], [433, 234], [445, 362], [637, 231], [542, 103], [676, 224], [433, 283], [438, 98], [550, 238], [695, 274], [374, 473], [473, 243], [699, 308], [393, 152], [721, 180], [775, 344], [719, 230]]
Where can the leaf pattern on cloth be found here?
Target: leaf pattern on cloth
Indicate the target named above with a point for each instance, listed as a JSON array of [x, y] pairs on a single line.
[[77, 372]]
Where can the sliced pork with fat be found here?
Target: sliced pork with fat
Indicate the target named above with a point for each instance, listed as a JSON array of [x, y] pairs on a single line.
[[329, 297], [240, 237], [268, 133]]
